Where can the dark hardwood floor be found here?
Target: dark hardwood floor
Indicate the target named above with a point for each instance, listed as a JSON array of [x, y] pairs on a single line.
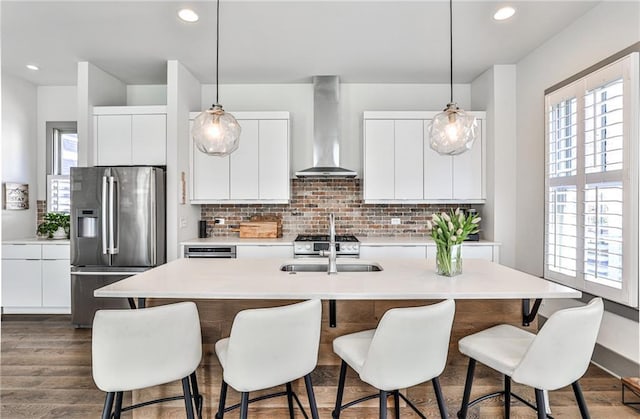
[[46, 373]]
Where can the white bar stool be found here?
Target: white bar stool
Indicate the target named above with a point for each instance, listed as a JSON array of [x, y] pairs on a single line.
[[136, 349], [409, 347], [558, 356], [269, 347]]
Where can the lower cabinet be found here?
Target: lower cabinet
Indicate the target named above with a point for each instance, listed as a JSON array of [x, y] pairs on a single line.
[[36, 278], [398, 252], [487, 251], [264, 251]]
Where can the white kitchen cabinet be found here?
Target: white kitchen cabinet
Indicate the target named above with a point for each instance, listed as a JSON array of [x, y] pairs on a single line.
[[130, 135], [393, 162], [488, 251], [264, 251], [464, 179], [372, 252], [36, 278], [400, 167], [257, 172]]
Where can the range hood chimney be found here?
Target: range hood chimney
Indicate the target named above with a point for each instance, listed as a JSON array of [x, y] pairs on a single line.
[[326, 129]]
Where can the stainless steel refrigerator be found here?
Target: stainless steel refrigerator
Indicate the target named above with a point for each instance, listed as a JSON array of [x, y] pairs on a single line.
[[117, 229]]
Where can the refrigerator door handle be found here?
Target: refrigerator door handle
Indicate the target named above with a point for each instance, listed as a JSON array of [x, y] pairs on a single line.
[[112, 217], [105, 249], [154, 259]]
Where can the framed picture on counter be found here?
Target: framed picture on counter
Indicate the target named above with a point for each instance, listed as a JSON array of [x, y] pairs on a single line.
[[15, 196]]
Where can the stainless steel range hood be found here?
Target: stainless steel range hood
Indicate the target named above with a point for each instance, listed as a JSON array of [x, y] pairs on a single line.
[[326, 130]]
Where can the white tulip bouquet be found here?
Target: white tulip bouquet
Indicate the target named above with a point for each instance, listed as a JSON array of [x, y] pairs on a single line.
[[449, 231]]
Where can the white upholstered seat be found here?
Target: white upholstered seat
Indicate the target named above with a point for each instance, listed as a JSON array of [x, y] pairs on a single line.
[[556, 357], [136, 349], [269, 347], [408, 347]]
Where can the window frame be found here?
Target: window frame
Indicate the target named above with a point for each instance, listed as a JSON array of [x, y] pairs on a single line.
[[54, 131], [626, 67]]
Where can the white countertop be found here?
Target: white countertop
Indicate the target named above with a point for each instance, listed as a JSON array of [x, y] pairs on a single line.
[[262, 279], [237, 241], [364, 241], [36, 240]]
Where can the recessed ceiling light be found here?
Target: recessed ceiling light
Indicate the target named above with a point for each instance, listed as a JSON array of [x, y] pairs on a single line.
[[33, 67], [504, 13], [188, 15]]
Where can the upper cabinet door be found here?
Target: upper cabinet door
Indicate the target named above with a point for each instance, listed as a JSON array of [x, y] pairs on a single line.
[[244, 163], [149, 139], [400, 166], [258, 171], [379, 159], [209, 175], [438, 171], [408, 159], [130, 135], [113, 137], [273, 165], [467, 183]]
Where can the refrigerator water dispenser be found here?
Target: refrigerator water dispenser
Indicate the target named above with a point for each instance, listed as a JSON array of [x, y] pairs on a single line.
[[87, 223]]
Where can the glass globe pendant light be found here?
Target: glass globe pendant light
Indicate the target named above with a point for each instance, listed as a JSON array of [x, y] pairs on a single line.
[[216, 132], [452, 131]]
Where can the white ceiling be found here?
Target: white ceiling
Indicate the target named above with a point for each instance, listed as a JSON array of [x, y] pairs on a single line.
[[275, 41]]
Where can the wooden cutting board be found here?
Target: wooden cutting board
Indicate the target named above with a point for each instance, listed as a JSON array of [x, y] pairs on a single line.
[[260, 229]]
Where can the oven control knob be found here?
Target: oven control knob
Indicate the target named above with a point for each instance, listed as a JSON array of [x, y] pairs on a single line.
[[308, 247]]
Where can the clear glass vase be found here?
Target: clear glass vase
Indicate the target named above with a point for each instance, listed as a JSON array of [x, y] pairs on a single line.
[[449, 260]]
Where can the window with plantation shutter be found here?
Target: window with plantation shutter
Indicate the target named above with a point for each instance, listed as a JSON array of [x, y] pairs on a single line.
[[591, 187]]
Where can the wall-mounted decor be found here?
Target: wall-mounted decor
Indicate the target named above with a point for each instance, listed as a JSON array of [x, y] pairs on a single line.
[[16, 196]]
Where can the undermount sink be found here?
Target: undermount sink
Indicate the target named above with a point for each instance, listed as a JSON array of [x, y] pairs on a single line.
[[322, 267]]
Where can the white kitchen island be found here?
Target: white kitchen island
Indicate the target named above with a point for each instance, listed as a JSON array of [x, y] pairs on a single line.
[[400, 279]]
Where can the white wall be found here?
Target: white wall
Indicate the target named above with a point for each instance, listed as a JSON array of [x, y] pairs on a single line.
[[354, 100], [146, 94], [495, 92], [579, 46], [95, 88], [55, 103], [19, 147], [183, 94]]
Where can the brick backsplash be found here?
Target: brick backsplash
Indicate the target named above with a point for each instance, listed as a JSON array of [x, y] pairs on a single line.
[[311, 202], [41, 210]]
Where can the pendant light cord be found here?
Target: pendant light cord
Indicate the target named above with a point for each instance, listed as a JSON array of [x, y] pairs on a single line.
[[451, 48], [217, 46]]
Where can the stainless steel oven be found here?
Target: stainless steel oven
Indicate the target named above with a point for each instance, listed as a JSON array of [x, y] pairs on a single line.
[[210, 251], [310, 245]]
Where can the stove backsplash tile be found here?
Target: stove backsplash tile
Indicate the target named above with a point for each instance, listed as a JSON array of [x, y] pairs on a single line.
[[311, 202]]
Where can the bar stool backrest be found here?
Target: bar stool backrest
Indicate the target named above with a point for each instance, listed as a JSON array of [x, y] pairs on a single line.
[[273, 346], [410, 346], [134, 349], [560, 353]]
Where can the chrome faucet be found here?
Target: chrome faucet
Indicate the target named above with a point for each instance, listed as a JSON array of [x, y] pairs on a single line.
[[331, 253]]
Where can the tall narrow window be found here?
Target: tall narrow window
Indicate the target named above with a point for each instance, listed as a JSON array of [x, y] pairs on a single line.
[[591, 231], [62, 154]]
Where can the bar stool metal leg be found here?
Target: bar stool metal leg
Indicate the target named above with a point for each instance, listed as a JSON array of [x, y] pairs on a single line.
[[312, 398], [290, 400], [396, 403], [223, 400], [441, 404], [244, 405], [118, 408], [108, 405], [462, 414], [188, 403], [343, 373], [584, 412], [197, 397], [383, 404], [542, 411], [507, 397]]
